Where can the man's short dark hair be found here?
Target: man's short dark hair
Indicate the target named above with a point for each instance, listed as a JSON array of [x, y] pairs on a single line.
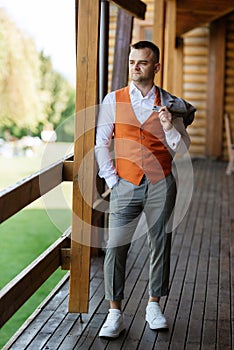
[[147, 44]]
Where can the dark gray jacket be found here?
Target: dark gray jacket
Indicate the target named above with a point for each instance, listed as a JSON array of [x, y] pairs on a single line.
[[178, 107]]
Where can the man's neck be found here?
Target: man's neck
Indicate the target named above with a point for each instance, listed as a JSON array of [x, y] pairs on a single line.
[[143, 88]]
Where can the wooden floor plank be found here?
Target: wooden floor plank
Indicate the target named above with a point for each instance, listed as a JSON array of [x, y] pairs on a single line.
[[49, 328], [136, 255], [209, 336], [200, 304], [79, 328], [42, 318]]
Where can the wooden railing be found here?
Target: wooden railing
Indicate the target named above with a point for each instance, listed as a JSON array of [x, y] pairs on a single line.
[[15, 198]]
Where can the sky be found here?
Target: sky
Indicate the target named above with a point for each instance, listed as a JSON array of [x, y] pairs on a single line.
[[51, 23]]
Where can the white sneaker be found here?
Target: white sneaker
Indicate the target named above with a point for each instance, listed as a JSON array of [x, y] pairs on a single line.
[[114, 324], [155, 317]]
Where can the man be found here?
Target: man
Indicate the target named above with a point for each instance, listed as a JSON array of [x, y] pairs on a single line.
[[146, 134]]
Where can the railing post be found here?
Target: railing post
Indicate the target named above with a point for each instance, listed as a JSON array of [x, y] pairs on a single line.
[[83, 174]]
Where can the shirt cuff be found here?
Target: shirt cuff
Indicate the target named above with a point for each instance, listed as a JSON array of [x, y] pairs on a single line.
[[173, 137], [112, 180]]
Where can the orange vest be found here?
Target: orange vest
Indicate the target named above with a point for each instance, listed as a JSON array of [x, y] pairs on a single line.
[[139, 148]]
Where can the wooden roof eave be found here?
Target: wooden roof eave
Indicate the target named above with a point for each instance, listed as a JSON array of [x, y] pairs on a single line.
[[136, 8], [196, 13]]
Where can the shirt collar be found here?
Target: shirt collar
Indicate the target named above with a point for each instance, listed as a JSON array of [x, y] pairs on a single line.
[[133, 90]]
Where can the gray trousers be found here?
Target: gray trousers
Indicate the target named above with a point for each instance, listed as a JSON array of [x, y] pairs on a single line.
[[127, 202]]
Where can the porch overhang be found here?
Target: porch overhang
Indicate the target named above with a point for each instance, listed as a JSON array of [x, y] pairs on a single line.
[[196, 13]]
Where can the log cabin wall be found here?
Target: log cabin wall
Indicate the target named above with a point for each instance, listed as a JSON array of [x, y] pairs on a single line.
[[195, 80], [229, 78], [195, 76], [195, 72]]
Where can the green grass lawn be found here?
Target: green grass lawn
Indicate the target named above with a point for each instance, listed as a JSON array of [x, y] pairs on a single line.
[[25, 236]]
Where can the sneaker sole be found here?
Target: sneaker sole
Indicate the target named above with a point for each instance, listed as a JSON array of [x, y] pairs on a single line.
[[159, 326], [106, 335]]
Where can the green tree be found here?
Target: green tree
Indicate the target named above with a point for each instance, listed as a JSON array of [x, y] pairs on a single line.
[[58, 97], [32, 93], [65, 129], [19, 77]]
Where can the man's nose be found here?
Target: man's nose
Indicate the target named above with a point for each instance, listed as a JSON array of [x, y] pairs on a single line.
[[136, 66]]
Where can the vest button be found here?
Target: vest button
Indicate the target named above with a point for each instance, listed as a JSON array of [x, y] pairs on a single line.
[[142, 137]]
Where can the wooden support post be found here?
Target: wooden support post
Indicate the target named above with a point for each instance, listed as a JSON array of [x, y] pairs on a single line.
[[215, 90], [86, 99], [122, 41], [158, 35], [178, 67], [104, 49], [169, 46]]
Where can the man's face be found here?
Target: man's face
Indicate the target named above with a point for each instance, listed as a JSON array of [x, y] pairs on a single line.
[[142, 66]]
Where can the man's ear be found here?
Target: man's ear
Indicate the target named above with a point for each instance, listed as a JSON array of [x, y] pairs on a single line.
[[157, 68]]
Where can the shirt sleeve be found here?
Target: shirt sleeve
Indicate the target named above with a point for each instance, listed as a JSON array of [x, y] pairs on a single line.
[[104, 133], [177, 137]]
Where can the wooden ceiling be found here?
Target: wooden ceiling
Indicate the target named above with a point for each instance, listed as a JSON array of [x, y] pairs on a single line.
[[196, 13], [190, 13]]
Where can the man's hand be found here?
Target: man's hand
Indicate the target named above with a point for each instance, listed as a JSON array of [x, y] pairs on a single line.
[[165, 118]]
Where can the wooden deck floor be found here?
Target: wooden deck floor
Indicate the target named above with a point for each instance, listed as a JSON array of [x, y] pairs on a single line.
[[199, 307]]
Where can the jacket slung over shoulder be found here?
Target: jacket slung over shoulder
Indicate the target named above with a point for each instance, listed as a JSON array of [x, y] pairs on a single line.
[[178, 107]]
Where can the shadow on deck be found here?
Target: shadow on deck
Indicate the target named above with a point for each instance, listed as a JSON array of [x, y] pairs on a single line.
[[199, 307]]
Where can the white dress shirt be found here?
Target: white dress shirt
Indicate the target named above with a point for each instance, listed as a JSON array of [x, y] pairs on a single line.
[[177, 137]]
